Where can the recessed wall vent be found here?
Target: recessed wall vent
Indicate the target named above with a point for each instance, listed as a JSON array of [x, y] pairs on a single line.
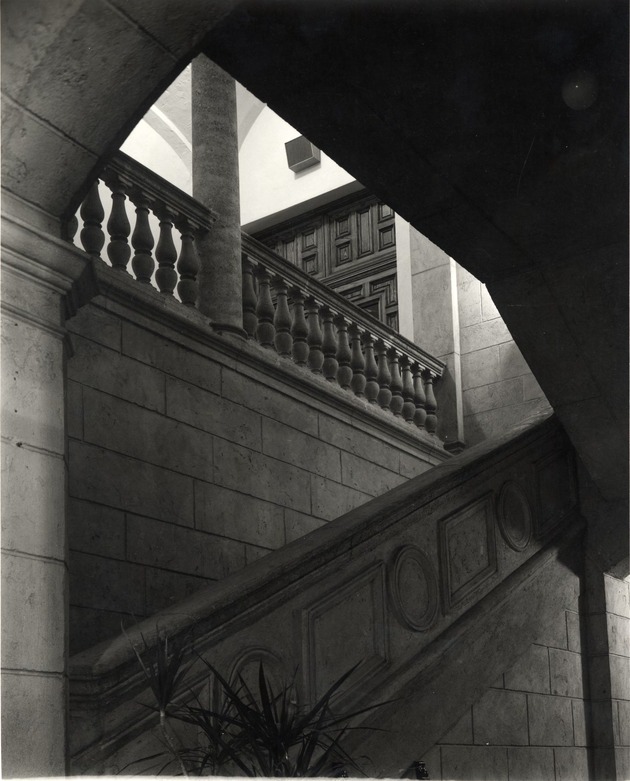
[[301, 154]]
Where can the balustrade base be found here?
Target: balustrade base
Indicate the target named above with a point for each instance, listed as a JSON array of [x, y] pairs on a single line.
[[165, 315], [225, 329], [323, 331], [455, 446]]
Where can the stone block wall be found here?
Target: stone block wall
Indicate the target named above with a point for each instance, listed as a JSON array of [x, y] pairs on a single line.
[[487, 386], [532, 724], [498, 387], [185, 465]]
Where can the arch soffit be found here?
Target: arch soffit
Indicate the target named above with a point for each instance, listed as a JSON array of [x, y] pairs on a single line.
[[76, 82]]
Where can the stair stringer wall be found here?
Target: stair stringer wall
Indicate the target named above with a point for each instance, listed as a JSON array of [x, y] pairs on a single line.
[[464, 562], [191, 454], [472, 701]]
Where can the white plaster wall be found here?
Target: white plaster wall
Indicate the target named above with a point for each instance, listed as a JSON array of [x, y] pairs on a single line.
[[267, 184], [162, 142], [403, 277], [248, 109], [149, 147]]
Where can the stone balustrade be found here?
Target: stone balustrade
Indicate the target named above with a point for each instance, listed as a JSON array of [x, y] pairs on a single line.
[[286, 310], [160, 207]]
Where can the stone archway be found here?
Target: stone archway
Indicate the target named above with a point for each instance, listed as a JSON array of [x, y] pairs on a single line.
[[64, 67], [76, 78], [65, 111]]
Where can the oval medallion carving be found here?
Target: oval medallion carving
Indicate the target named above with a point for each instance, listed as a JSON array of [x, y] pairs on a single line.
[[247, 664], [413, 588], [515, 516]]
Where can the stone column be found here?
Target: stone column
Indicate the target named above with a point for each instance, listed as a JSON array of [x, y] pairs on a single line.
[[215, 185], [607, 603], [36, 272], [429, 316], [608, 629]]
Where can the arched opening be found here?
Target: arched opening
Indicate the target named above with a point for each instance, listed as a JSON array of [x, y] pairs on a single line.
[[477, 148]]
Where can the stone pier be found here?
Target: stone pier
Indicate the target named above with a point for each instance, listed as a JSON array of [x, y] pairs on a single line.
[[215, 185]]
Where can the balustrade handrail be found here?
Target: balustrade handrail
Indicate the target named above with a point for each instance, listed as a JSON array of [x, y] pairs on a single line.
[[271, 609], [228, 599], [321, 331], [310, 286], [161, 193], [131, 182]]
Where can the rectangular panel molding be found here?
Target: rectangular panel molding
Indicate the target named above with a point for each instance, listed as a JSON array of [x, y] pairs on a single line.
[[350, 616], [467, 550]]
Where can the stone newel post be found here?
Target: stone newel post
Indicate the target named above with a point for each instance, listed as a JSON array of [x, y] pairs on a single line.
[[215, 185]]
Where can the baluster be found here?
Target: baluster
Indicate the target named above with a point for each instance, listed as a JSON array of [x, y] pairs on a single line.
[[431, 403], [72, 226], [299, 331], [396, 384], [371, 369], [409, 407], [250, 299], [419, 396], [329, 345], [344, 354], [282, 320], [265, 312], [357, 362], [118, 227], [314, 339], [188, 265], [142, 241], [92, 213], [384, 377], [166, 254]]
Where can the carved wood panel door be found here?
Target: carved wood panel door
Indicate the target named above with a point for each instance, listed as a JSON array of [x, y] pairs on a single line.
[[351, 246]]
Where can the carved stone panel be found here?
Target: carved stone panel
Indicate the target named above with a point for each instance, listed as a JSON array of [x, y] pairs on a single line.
[[413, 588], [467, 550], [346, 626], [514, 516], [246, 666]]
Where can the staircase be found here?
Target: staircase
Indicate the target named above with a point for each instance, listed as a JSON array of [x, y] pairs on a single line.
[[436, 588]]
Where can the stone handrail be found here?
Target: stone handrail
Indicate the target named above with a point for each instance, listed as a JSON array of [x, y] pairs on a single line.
[[153, 197], [302, 319], [379, 586]]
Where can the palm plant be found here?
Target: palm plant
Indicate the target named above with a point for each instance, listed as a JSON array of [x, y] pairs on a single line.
[[255, 731], [164, 670], [265, 733]]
